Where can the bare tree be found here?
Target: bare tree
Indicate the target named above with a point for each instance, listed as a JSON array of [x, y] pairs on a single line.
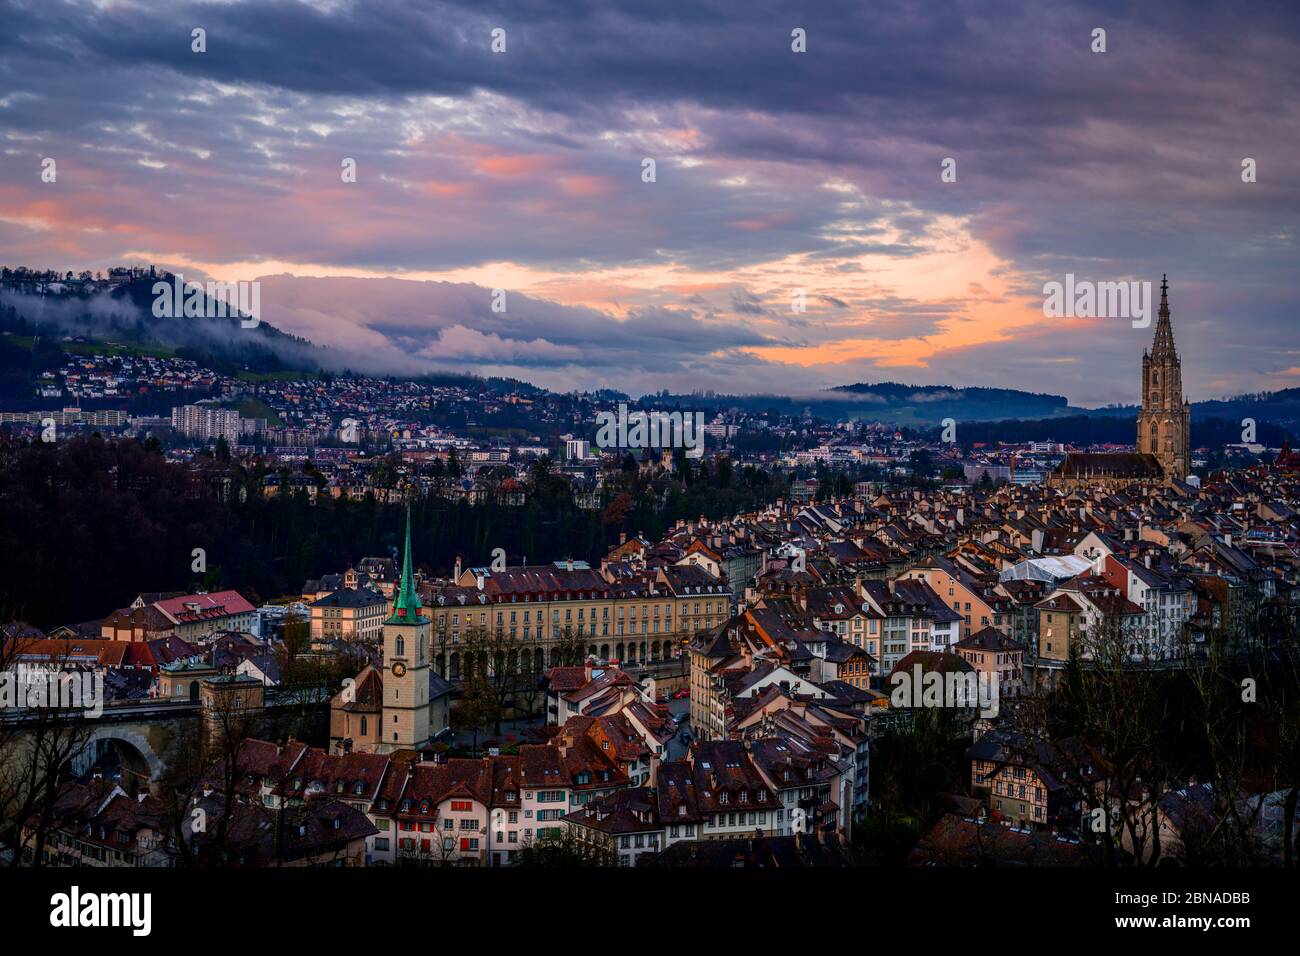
[[561, 846], [1101, 726], [1277, 662], [37, 746]]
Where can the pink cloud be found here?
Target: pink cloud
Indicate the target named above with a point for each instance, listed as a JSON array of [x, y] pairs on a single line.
[[513, 166]]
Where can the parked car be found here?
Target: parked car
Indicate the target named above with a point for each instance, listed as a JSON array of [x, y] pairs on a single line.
[[682, 717]]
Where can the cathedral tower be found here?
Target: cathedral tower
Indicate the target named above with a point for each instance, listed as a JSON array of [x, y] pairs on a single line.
[[1164, 423], [406, 714]]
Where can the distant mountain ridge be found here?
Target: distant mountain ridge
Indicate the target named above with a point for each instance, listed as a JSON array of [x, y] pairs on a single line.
[[894, 402]]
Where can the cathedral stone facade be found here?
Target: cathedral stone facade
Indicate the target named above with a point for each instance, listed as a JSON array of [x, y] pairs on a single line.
[[1163, 424]]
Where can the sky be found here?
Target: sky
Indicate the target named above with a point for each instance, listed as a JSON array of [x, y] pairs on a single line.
[[777, 174]]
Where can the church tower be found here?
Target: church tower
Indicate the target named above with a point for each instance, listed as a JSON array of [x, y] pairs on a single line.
[[406, 666], [1164, 423]]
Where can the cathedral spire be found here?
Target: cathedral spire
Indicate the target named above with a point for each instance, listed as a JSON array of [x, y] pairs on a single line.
[[406, 605], [1163, 346]]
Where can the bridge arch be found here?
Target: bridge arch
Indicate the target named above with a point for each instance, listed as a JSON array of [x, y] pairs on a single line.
[[133, 748]]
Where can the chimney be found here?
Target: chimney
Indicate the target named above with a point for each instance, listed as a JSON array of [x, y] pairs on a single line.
[[622, 537], [1036, 538], [479, 580], [1148, 560], [456, 573]]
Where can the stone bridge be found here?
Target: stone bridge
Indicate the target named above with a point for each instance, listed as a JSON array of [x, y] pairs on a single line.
[[139, 732]]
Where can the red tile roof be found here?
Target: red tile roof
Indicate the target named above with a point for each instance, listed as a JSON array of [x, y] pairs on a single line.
[[210, 606]]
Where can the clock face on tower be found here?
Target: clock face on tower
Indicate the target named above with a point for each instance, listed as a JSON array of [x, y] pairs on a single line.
[[399, 669]]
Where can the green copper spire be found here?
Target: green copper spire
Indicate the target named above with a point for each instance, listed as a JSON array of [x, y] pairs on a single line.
[[406, 606]]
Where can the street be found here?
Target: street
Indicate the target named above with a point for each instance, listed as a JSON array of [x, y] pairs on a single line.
[[676, 746]]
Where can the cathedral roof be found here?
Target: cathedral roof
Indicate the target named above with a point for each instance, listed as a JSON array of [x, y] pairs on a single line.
[[1109, 465]]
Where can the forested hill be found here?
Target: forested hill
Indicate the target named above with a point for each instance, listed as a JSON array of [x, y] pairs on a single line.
[[122, 314]]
